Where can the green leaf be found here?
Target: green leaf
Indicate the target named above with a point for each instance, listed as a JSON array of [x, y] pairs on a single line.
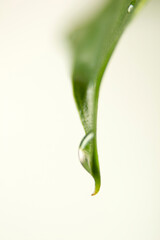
[[93, 44]]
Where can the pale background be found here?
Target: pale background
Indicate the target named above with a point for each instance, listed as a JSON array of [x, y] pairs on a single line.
[[44, 191]]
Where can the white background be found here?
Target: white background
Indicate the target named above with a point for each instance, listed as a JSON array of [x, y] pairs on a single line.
[[44, 191]]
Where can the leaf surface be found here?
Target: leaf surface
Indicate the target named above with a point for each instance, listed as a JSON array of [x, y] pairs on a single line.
[[92, 45]]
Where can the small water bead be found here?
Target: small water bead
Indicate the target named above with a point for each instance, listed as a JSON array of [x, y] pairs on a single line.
[[130, 8], [84, 151]]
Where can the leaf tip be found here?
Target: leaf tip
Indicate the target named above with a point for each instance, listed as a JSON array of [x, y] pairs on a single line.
[[97, 187]]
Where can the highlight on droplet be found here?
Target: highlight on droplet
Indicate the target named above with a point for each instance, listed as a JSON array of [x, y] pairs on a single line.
[[130, 8]]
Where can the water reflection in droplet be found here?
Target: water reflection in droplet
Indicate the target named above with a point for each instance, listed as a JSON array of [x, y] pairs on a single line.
[[85, 151]]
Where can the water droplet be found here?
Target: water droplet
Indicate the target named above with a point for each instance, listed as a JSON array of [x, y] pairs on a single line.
[[85, 151], [130, 8]]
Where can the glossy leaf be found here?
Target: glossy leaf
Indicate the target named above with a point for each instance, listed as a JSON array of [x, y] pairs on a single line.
[[93, 44]]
